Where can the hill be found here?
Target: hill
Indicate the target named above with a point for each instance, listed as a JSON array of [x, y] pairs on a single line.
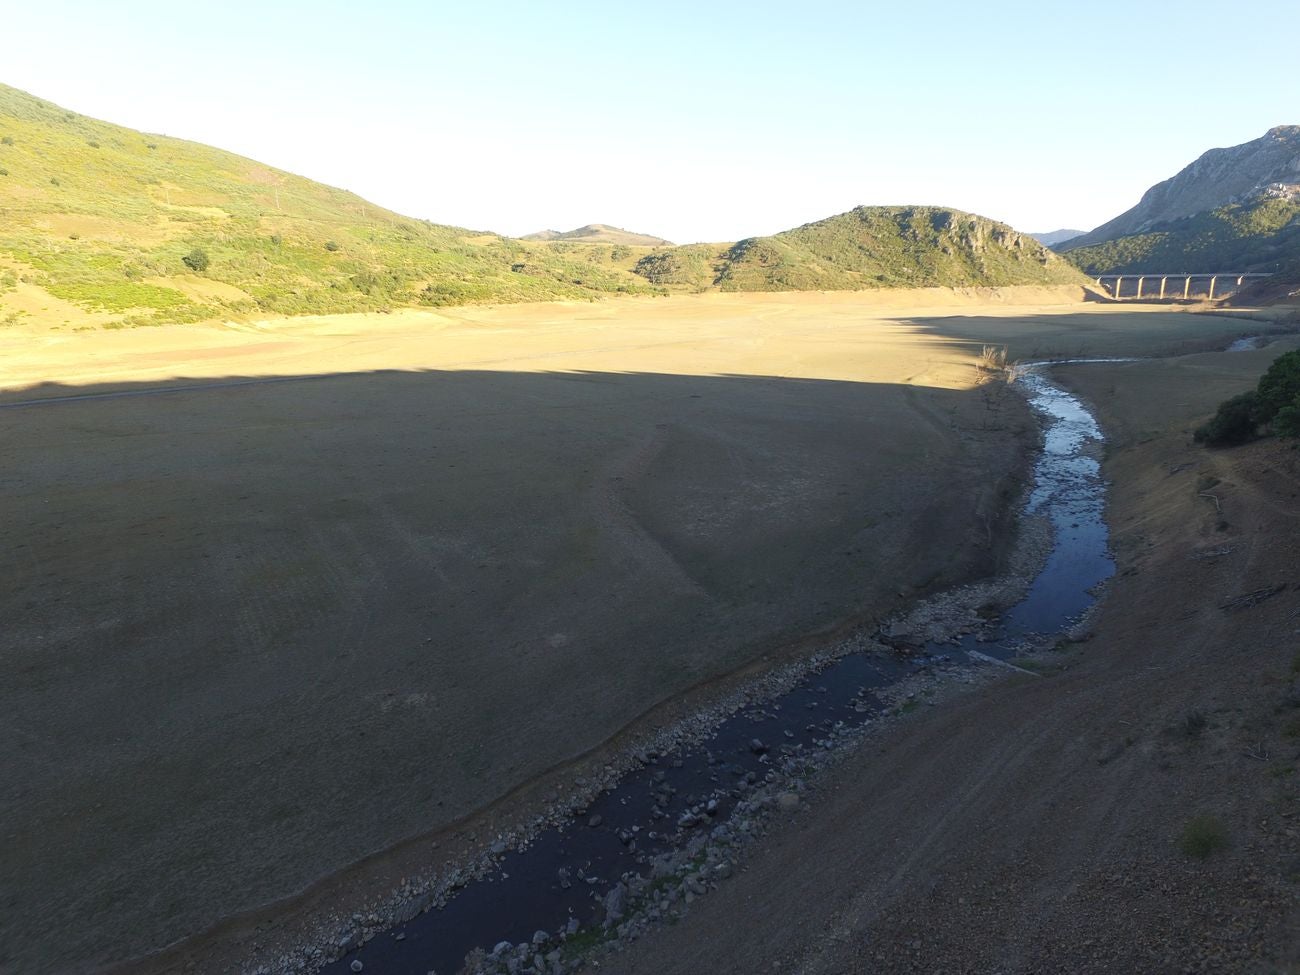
[[1053, 237], [97, 222], [892, 247], [104, 226], [1254, 236], [1239, 174], [599, 233]]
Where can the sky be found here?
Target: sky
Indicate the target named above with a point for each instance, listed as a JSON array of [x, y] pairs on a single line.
[[690, 121]]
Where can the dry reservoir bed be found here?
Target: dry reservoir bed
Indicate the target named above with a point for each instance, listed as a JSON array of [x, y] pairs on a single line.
[[256, 631]]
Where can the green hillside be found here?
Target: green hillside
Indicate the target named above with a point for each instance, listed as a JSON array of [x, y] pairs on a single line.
[[893, 247], [103, 226], [103, 217], [1254, 236]]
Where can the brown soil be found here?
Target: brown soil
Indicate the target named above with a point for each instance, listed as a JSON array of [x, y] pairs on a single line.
[[1036, 825], [258, 632]]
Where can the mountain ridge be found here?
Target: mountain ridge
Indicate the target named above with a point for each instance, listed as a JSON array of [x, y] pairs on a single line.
[[1218, 177]]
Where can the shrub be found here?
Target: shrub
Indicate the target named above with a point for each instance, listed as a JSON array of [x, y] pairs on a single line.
[[1287, 421], [1234, 423], [1203, 836], [3, 171], [7, 140], [1279, 387], [196, 260], [331, 246]]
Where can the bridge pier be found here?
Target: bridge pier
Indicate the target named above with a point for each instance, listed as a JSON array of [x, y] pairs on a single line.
[[1116, 283]]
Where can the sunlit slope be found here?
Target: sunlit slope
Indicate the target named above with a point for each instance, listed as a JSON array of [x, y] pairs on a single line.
[[101, 225], [103, 217], [867, 248], [1259, 235], [893, 247]]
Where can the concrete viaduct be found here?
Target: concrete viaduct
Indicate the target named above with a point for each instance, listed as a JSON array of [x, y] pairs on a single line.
[[1114, 283]]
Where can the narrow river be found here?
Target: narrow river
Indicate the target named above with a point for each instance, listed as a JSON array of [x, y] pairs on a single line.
[[565, 879]]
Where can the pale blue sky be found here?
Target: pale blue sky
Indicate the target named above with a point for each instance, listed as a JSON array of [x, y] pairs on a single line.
[[687, 120]]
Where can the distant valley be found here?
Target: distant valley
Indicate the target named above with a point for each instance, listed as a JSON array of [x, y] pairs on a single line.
[[1053, 237]]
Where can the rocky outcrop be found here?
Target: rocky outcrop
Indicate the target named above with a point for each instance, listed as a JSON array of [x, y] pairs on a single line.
[[1264, 166]]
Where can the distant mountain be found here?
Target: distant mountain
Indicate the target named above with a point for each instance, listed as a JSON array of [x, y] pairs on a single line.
[[1054, 237], [599, 233], [1267, 167]]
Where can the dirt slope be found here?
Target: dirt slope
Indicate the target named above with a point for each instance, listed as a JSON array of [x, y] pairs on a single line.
[[1034, 826]]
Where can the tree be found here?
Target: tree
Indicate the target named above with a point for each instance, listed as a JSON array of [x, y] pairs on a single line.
[[1233, 424], [1280, 386], [196, 260]]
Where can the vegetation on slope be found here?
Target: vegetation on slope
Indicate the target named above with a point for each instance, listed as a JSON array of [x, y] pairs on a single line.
[[890, 247], [103, 225], [1273, 405], [1255, 236], [103, 217]]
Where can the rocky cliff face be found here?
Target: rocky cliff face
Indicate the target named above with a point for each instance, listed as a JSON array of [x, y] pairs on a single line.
[[1218, 177]]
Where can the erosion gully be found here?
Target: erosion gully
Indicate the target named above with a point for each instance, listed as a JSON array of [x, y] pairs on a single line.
[[559, 879]]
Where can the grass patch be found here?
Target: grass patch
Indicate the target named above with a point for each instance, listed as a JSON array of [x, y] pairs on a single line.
[[1203, 836]]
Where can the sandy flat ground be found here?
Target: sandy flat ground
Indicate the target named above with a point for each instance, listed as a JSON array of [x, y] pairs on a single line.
[[258, 631]]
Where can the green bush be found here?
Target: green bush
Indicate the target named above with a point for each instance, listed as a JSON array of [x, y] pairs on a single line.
[[1287, 421], [1234, 423], [1274, 403], [196, 260], [7, 140], [1279, 387], [331, 245]]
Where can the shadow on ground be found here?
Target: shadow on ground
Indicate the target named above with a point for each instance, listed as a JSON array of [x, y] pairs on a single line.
[[257, 630]]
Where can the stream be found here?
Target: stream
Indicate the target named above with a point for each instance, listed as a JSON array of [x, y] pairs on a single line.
[[561, 881]]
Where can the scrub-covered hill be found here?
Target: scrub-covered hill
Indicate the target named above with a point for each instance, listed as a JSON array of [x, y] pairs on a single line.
[[893, 247], [105, 226], [1235, 209], [104, 222], [1259, 235]]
